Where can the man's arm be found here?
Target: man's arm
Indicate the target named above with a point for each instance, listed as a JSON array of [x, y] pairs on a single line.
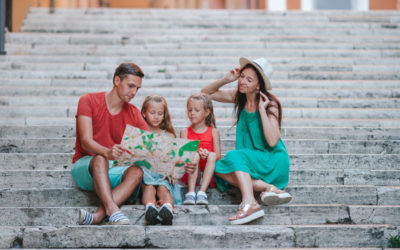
[[85, 129]]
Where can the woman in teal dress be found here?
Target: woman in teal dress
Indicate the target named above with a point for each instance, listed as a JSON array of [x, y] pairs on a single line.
[[260, 161]]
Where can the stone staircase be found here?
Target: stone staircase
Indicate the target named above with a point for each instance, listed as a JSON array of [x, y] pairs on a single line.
[[336, 74]]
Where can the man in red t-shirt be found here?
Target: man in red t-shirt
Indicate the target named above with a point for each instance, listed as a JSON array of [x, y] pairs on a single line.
[[100, 123]]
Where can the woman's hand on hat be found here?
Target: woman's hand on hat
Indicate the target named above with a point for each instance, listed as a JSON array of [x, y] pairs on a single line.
[[264, 101], [232, 75]]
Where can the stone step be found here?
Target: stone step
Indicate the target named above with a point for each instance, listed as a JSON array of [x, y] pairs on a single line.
[[175, 21], [287, 122], [210, 76], [214, 215], [231, 60], [103, 84], [214, 12], [226, 15], [176, 102], [63, 161], [184, 42], [302, 194], [42, 179], [231, 237], [200, 68], [220, 112], [137, 50], [226, 132], [10, 90], [358, 41], [80, 25], [201, 31], [296, 146]]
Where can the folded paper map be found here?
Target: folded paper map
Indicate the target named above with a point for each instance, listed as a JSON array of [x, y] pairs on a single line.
[[158, 153]]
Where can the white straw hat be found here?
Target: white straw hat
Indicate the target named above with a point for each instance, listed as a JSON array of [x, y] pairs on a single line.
[[263, 67]]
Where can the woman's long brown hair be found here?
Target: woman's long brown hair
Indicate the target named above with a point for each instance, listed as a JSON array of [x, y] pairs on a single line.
[[240, 99], [166, 124]]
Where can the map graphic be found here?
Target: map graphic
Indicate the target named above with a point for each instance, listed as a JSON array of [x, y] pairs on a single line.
[[158, 153]]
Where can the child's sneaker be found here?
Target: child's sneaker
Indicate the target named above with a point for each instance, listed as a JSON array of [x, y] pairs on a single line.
[[166, 214], [190, 199], [151, 215], [201, 198]]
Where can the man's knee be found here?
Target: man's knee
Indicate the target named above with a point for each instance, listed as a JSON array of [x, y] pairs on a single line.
[[133, 174], [98, 162]]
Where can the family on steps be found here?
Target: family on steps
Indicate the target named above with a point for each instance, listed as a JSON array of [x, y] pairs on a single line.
[[260, 162]]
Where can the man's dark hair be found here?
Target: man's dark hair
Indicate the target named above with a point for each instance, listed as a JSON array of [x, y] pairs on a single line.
[[125, 69]]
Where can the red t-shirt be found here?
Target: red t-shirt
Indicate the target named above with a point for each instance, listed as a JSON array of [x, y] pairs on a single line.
[[107, 129]]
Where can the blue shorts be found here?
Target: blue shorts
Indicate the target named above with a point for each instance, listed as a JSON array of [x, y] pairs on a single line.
[[82, 177]]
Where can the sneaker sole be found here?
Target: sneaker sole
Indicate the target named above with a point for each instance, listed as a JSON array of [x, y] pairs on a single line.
[[202, 203], [166, 216], [251, 217], [189, 203], [151, 217], [272, 199]]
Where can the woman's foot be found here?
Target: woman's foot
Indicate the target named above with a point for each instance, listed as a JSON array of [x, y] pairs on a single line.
[[274, 196], [246, 212]]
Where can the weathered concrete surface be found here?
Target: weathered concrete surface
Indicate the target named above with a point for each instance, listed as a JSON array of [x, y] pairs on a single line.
[[220, 236], [211, 215], [10, 237], [388, 195], [302, 194], [217, 236], [374, 177], [382, 214], [344, 236], [84, 237]]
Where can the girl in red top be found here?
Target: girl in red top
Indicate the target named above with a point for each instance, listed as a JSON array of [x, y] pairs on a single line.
[[203, 128]]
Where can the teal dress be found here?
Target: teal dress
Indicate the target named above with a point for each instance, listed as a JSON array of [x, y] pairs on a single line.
[[254, 156]]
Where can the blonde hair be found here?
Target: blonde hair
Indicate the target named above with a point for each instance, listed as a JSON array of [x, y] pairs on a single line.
[[207, 105], [166, 124]]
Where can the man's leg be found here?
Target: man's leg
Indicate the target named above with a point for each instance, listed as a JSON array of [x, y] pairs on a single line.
[[111, 198]]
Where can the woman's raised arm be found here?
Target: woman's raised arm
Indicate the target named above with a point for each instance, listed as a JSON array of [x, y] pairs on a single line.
[[226, 95]]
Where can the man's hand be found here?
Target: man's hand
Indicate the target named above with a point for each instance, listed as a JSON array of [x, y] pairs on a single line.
[[116, 151], [190, 167]]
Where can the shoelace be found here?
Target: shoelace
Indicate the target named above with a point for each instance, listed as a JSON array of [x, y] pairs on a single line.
[[160, 203]]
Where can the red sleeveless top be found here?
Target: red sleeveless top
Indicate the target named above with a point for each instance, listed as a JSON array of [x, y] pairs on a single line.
[[206, 142]]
